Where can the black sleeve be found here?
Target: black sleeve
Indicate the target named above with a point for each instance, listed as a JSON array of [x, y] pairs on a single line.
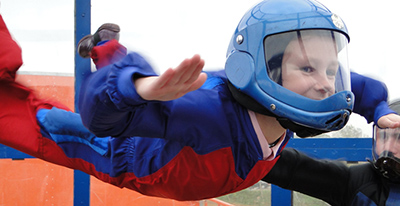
[[322, 179]]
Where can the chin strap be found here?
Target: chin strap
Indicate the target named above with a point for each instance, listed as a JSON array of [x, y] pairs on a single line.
[[248, 101]]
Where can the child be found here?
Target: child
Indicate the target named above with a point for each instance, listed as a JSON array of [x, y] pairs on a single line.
[[227, 134], [188, 135]]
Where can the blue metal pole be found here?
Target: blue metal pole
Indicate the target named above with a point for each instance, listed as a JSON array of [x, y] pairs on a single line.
[[82, 69], [82, 28], [280, 197]]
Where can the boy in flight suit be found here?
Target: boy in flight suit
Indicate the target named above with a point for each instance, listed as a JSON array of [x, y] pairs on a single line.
[[189, 135]]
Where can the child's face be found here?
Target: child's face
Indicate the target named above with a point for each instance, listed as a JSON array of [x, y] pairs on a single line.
[[309, 67]]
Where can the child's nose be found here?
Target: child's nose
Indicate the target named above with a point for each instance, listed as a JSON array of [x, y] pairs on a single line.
[[323, 84]]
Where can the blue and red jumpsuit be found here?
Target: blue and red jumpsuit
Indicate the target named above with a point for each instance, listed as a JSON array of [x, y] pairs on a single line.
[[202, 145]]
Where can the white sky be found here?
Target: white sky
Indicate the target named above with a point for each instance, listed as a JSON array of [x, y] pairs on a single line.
[[166, 32]]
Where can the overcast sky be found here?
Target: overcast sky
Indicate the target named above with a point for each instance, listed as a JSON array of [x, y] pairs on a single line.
[[166, 32]]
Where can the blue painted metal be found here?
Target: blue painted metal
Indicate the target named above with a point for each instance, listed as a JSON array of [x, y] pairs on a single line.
[[81, 188], [82, 28], [82, 70], [10, 153], [280, 197], [348, 149]]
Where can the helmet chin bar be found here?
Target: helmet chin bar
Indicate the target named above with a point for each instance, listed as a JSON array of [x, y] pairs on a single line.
[[389, 167], [250, 103], [301, 131]]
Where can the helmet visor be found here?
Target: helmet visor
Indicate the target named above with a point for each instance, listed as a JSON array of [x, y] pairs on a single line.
[[386, 151], [386, 142], [312, 63]]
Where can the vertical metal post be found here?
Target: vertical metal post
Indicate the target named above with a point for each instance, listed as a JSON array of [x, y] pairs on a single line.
[[280, 196], [82, 69], [82, 28]]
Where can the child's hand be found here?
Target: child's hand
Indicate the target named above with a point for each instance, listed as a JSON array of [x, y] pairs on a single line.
[[389, 121], [173, 83]]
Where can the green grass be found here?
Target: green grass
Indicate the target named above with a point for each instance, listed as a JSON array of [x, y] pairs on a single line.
[[260, 195], [247, 197]]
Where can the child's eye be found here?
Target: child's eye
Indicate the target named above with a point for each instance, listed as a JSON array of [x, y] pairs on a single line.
[[307, 69], [331, 72]]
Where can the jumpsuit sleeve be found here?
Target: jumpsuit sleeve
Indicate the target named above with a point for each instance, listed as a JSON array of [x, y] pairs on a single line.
[[322, 179], [110, 106], [370, 97], [108, 96]]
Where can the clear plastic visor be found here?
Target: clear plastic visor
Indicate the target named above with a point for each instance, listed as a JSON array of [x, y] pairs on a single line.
[[386, 152], [386, 142], [312, 63]]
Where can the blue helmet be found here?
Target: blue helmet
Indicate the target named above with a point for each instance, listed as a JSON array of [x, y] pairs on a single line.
[[288, 59]]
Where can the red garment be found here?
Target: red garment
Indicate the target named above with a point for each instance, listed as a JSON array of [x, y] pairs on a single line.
[[19, 128], [19, 104], [10, 54]]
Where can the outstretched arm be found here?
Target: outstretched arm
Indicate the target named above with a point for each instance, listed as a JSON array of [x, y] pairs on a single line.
[[371, 101], [174, 82], [119, 99], [322, 179]]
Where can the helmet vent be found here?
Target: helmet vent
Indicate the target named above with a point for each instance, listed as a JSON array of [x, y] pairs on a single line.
[[333, 119], [338, 121]]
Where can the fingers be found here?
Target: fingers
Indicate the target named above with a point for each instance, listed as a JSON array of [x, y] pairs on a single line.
[[389, 121], [395, 125], [187, 72], [198, 82], [173, 83], [392, 124], [198, 66], [166, 78]]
